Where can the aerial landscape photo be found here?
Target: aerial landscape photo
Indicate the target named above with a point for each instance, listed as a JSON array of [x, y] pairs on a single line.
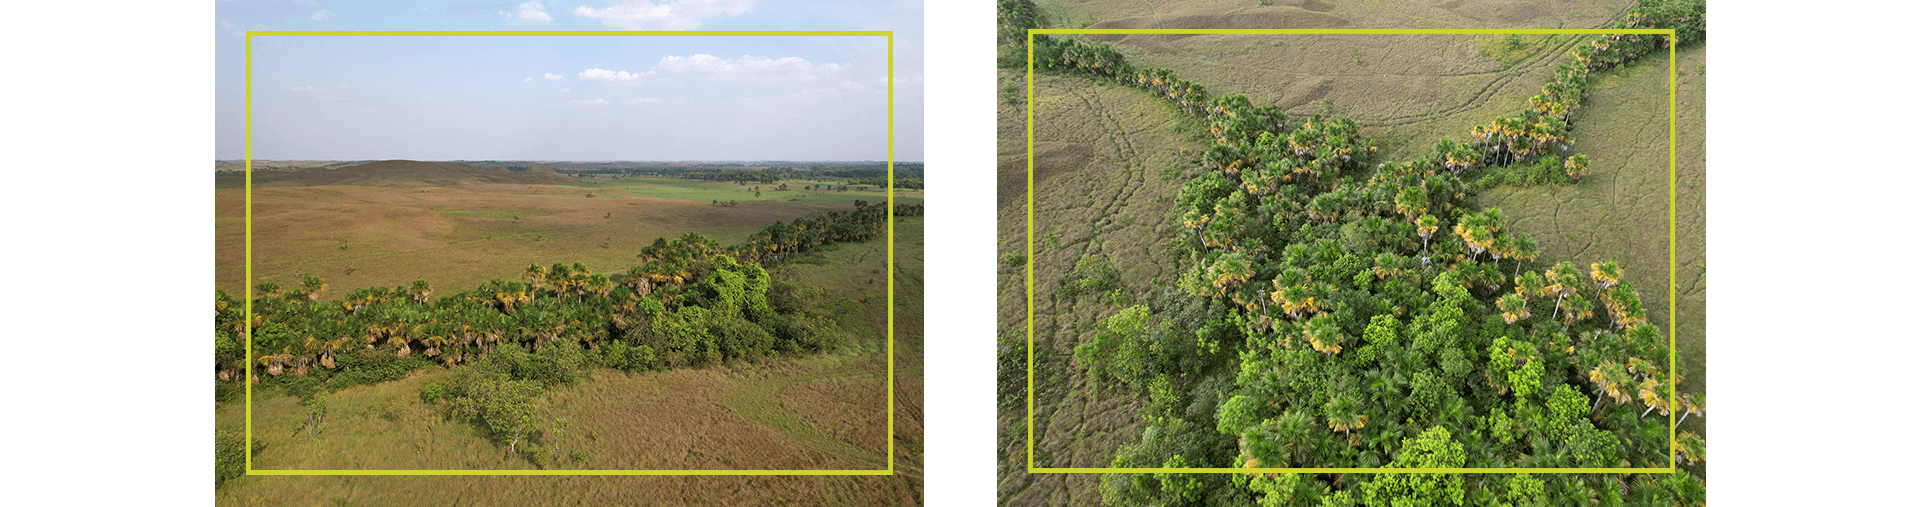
[[1357, 252], [542, 256]]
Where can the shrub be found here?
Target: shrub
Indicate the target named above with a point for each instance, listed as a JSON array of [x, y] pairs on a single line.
[[641, 357], [560, 362], [613, 354], [230, 455]]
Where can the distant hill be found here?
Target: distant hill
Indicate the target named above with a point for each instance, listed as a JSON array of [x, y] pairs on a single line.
[[412, 173]]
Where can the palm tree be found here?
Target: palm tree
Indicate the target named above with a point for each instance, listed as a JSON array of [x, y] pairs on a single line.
[[419, 291], [1524, 249], [1576, 166], [1577, 309], [1343, 415], [1653, 393], [1513, 307], [1606, 274], [1411, 202], [1324, 334], [1563, 278], [1426, 225], [310, 288], [1612, 380], [1689, 408], [1688, 448], [1294, 430], [1623, 305]]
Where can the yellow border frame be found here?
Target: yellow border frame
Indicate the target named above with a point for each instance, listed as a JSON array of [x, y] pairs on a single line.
[[1672, 228], [431, 33]]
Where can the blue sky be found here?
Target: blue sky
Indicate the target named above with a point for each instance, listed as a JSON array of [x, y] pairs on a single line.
[[569, 98]]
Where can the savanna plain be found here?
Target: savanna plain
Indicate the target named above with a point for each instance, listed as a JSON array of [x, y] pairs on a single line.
[[562, 317]]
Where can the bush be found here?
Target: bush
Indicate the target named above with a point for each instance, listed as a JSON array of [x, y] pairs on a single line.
[[742, 339], [613, 354], [432, 392], [641, 357], [230, 455], [357, 367], [560, 362], [810, 333], [786, 297]]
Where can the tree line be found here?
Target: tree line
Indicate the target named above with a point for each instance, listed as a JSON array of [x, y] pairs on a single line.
[[690, 301], [1337, 310]]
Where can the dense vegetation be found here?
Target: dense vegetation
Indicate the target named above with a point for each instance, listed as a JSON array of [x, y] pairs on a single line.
[[905, 174], [689, 302], [1343, 311]]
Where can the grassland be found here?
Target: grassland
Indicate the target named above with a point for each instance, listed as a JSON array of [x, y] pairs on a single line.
[[459, 237], [707, 191], [1405, 91], [1109, 163], [821, 411]]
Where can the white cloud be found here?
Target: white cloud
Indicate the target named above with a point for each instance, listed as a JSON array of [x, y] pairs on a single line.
[[529, 80], [666, 15], [533, 11], [648, 100], [844, 88], [747, 68], [553, 77], [321, 15], [594, 102], [615, 77]]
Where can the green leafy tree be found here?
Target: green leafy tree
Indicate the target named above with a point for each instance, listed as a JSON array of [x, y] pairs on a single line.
[[1237, 414], [1500, 360], [497, 402], [1117, 351], [1428, 391], [1434, 448], [1526, 381], [1524, 490], [1181, 488]]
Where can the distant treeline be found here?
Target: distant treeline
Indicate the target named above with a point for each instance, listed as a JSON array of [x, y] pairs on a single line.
[[907, 183], [906, 174], [739, 176]]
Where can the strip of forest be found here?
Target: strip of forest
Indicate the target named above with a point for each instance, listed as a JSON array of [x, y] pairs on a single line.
[[1339, 310]]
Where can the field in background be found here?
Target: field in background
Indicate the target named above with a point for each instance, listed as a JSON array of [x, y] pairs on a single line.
[[458, 237], [821, 411], [707, 191]]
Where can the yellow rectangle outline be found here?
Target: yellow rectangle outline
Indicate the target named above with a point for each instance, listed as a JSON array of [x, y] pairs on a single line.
[[437, 33], [1672, 235]]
